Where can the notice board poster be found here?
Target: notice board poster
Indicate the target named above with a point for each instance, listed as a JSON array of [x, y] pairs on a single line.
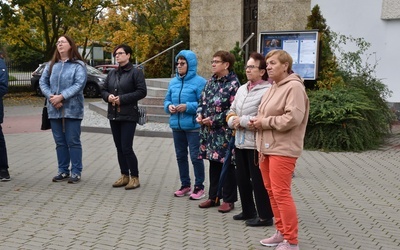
[[303, 46]]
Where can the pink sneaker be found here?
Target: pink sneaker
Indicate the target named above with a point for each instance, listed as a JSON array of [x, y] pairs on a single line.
[[182, 191], [286, 246], [274, 240], [197, 194]]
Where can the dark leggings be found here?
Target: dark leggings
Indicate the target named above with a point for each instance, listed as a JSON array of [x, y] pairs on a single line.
[[123, 133]]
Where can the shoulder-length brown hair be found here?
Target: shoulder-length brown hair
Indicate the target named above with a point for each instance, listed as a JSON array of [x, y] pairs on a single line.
[[73, 53]]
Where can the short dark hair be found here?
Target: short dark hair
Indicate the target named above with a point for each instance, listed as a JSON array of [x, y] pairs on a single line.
[[126, 48], [226, 57], [263, 64]]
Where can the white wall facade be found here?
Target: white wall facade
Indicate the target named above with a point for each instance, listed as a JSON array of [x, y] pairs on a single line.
[[378, 22]]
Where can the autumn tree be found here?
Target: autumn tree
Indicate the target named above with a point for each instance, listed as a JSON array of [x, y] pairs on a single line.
[[36, 25], [149, 27]]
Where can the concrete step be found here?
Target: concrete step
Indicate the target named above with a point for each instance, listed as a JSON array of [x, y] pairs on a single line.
[[154, 101], [158, 118], [156, 91], [151, 100], [154, 109], [155, 113], [99, 107], [158, 82]]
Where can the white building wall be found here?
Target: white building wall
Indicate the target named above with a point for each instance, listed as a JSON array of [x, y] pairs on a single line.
[[363, 19]]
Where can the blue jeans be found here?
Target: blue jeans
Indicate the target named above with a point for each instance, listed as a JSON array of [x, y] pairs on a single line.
[[3, 151], [123, 133], [67, 136], [182, 140]]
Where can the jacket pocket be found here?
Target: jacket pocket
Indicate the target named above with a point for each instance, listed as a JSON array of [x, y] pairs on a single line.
[[268, 140]]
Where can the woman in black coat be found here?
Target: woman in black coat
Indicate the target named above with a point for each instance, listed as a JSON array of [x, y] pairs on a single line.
[[122, 90]]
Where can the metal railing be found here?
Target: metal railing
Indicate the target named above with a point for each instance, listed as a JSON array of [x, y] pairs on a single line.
[[162, 52], [246, 45], [19, 76]]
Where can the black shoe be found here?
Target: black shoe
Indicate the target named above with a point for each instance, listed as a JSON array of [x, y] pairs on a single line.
[[256, 222], [4, 175], [243, 217], [61, 177], [74, 179]]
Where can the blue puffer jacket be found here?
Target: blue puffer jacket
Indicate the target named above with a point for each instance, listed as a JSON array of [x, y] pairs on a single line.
[[69, 79], [185, 90], [3, 86]]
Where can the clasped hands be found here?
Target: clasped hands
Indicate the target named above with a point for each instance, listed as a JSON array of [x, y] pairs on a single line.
[[114, 99], [56, 101], [206, 121], [254, 123], [177, 109]]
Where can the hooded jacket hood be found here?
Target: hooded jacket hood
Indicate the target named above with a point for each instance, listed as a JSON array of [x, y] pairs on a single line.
[[291, 77], [191, 60]]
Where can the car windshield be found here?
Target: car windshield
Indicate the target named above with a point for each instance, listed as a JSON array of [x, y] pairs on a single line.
[[40, 69], [93, 71]]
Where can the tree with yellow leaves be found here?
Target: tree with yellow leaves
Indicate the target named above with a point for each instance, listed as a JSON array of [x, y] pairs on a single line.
[[148, 26]]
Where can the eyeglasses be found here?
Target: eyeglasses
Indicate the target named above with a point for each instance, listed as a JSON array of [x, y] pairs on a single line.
[[61, 41], [251, 67], [216, 61], [118, 53], [180, 63]]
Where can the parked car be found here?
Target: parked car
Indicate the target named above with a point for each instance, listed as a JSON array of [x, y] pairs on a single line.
[[106, 67], [94, 83]]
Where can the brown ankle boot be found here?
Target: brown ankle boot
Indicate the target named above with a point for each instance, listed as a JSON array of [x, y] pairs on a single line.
[[133, 183], [122, 181]]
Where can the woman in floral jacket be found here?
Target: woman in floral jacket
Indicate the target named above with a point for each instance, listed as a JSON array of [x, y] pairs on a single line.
[[215, 134]]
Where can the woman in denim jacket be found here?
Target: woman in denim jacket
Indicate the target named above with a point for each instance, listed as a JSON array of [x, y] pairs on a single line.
[[62, 83]]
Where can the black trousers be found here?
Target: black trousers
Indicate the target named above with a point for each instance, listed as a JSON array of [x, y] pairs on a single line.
[[123, 133], [249, 180], [229, 190]]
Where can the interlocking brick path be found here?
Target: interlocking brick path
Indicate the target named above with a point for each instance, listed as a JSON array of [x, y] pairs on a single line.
[[344, 200]]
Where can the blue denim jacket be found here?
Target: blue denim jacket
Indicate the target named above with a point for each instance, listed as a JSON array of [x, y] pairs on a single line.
[[67, 78]]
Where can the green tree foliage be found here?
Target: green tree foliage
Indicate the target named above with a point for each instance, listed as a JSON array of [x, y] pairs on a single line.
[[36, 25], [348, 111], [340, 120], [327, 70], [148, 26], [238, 67]]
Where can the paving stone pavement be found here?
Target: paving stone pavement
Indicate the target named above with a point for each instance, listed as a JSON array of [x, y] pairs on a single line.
[[344, 201]]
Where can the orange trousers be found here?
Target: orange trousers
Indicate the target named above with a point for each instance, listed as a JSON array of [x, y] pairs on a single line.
[[277, 177]]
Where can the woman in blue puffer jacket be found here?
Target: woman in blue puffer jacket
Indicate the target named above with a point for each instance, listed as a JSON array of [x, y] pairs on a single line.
[[181, 103], [62, 83]]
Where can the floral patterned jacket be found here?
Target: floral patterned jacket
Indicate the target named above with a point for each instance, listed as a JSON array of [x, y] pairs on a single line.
[[215, 102]]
